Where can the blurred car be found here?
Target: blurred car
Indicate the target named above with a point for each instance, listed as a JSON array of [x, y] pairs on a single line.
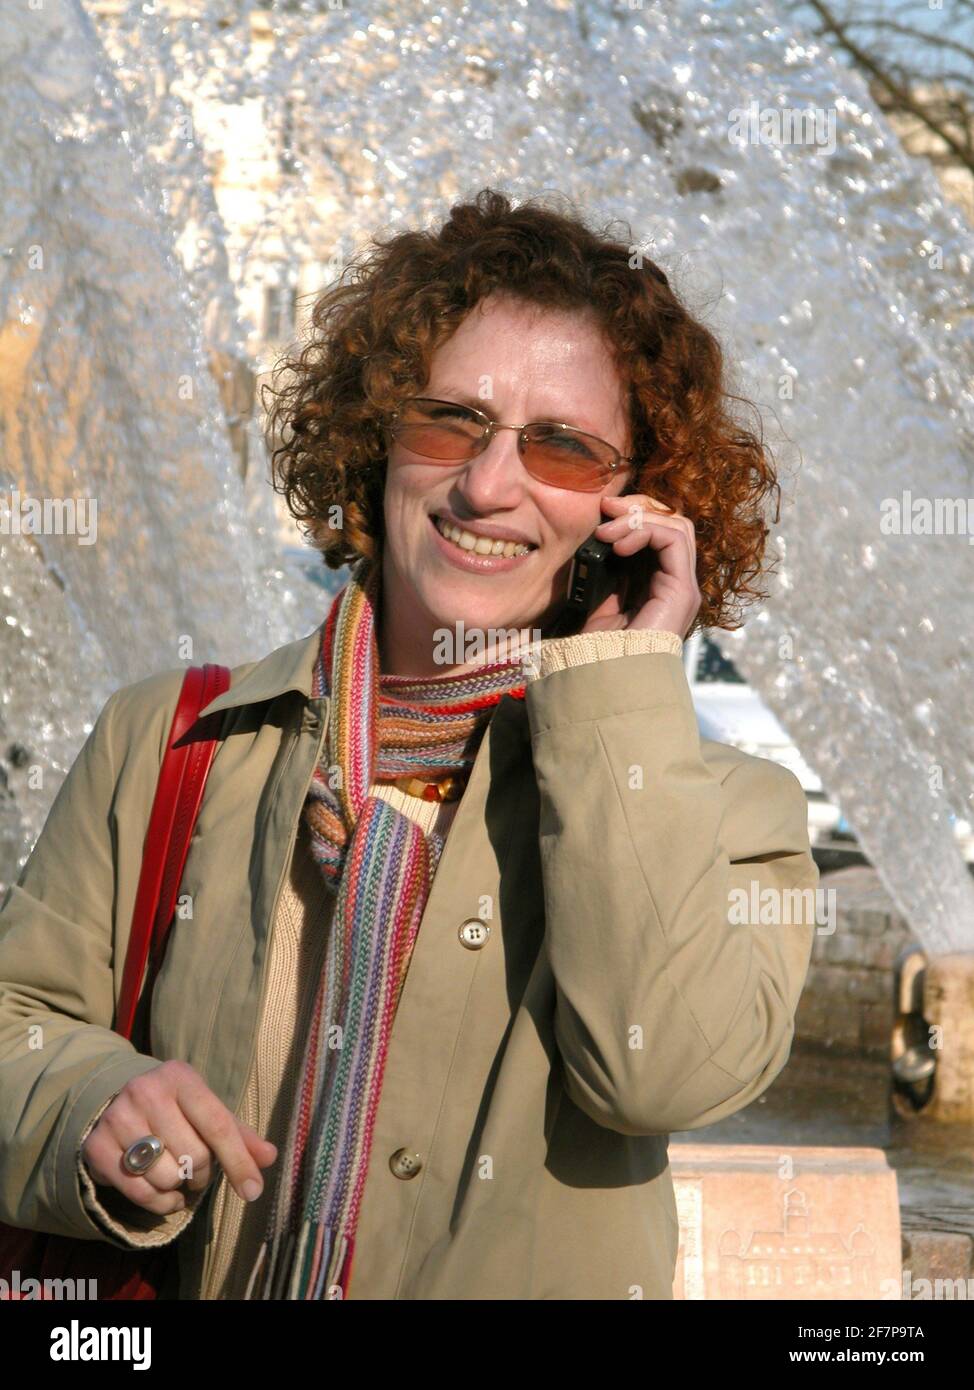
[[729, 711]]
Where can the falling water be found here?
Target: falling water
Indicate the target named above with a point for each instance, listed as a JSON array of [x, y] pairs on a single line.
[[106, 401], [835, 275]]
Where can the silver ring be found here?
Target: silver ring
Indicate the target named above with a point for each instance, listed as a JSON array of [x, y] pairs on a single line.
[[139, 1157]]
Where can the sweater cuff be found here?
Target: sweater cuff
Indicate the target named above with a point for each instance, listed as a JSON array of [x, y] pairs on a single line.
[[558, 653]]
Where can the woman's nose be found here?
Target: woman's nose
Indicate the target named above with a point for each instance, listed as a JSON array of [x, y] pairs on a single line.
[[495, 478]]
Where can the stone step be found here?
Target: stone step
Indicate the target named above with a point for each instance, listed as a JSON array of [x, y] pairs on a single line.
[[765, 1222]]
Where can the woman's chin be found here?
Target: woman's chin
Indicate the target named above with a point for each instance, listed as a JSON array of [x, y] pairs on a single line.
[[454, 603], [468, 621], [463, 608]]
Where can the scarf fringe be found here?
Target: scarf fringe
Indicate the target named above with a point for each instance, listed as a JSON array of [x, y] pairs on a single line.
[[255, 1272], [319, 1271]]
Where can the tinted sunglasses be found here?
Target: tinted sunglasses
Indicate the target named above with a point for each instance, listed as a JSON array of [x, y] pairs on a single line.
[[553, 453]]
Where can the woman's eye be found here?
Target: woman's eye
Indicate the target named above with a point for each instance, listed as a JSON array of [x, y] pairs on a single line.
[[458, 425], [569, 444], [459, 417]]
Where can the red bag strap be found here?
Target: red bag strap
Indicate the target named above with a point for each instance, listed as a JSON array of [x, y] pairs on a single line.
[[179, 795]]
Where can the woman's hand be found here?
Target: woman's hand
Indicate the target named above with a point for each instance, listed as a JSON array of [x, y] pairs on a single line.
[[673, 600], [174, 1103]]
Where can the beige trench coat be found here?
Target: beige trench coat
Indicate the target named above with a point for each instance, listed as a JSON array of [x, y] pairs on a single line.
[[617, 997]]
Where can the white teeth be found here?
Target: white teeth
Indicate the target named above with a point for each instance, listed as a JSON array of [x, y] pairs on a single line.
[[481, 545]]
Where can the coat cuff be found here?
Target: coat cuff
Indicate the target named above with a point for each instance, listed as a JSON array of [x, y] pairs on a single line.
[[647, 682], [559, 653]]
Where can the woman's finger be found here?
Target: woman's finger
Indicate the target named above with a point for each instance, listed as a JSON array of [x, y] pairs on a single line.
[[263, 1150], [637, 502], [144, 1195], [103, 1159], [660, 535], [122, 1125], [147, 1106], [642, 518], [190, 1160], [220, 1130]]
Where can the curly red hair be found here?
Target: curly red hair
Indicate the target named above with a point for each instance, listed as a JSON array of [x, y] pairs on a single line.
[[371, 344]]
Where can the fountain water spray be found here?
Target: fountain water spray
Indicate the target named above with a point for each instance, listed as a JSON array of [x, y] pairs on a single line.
[[746, 160]]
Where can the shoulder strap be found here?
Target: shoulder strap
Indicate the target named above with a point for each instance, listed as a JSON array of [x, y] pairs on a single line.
[[179, 795]]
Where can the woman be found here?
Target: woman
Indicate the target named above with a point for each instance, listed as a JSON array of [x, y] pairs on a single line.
[[411, 1043]]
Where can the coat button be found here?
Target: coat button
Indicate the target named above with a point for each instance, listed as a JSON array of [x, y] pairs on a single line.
[[474, 933], [405, 1163]]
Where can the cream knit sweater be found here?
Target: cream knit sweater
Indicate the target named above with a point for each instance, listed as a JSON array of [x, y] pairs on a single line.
[[295, 957]]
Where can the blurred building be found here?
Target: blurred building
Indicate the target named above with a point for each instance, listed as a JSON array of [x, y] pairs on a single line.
[[955, 178]]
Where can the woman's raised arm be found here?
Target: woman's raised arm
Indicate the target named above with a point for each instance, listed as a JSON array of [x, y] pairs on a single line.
[[675, 1000]]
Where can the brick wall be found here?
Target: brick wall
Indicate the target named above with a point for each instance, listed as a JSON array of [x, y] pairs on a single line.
[[847, 1003]]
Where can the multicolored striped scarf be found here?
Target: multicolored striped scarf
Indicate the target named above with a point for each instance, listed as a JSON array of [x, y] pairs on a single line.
[[381, 866]]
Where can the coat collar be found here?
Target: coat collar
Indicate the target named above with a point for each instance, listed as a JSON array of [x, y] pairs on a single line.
[[292, 668], [288, 668]]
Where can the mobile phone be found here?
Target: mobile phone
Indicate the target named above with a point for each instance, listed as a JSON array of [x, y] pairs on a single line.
[[596, 571]]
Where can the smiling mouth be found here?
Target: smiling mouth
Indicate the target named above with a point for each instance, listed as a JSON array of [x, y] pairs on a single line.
[[479, 545]]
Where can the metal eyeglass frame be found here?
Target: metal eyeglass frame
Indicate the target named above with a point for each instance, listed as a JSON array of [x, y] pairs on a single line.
[[492, 426]]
